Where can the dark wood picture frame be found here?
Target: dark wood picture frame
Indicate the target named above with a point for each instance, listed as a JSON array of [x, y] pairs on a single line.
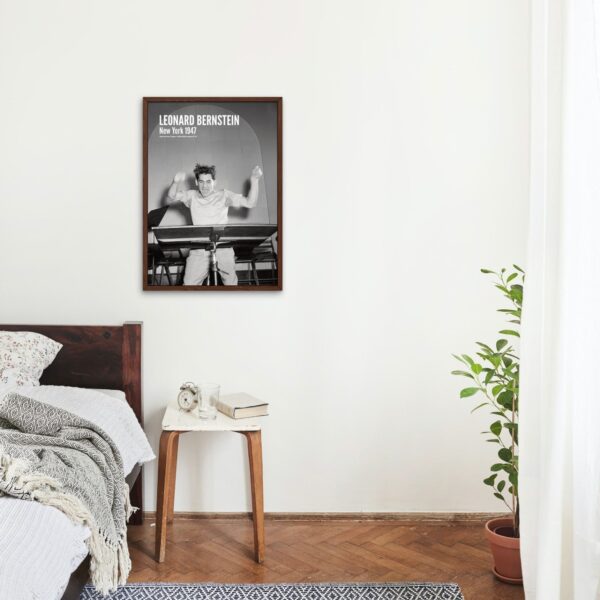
[[253, 283]]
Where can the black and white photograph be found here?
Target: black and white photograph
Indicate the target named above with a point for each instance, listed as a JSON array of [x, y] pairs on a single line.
[[212, 194]]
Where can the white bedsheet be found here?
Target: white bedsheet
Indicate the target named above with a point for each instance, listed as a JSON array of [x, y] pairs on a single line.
[[39, 549], [39, 546]]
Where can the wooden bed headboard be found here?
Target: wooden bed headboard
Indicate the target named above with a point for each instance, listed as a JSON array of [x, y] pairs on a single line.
[[95, 356]]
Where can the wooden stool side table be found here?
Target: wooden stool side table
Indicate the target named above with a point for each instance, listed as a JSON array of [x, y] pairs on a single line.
[[174, 424]]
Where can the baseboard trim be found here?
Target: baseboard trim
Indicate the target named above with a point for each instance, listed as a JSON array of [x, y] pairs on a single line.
[[407, 517]]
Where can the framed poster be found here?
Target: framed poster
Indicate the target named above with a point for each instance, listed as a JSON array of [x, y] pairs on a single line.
[[212, 194]]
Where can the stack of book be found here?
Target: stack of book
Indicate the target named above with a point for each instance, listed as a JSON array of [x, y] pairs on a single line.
[[242, 406]]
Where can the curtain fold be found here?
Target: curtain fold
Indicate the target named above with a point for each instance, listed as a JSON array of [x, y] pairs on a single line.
[[559, 478]]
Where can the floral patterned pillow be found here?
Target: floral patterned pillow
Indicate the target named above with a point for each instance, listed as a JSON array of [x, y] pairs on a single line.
[[24, 355]]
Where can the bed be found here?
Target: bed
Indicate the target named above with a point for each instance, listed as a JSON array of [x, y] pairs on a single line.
[[106, 363]]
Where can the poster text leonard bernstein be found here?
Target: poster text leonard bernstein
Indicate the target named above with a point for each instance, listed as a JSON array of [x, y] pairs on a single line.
[[187, 125]]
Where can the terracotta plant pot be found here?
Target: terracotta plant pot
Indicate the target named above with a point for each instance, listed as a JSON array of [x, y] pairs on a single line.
[[505, 549]]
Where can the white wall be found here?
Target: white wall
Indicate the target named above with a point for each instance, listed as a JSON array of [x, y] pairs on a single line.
[[405, 170]]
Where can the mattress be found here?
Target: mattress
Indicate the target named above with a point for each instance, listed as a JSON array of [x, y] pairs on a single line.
[[39, 546]]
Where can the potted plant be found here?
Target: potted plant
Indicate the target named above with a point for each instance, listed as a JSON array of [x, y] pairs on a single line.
[[494, 378]]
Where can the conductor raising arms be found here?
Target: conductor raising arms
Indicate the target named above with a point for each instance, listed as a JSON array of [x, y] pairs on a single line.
[[210, 206]]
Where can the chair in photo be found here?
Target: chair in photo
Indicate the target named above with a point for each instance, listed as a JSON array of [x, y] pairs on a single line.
[[251, 256], [161, 264]]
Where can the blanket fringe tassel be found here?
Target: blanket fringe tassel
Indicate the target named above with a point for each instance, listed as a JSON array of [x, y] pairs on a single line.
[[110, 564]]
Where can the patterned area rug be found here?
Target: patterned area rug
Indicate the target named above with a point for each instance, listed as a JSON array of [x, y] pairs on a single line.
[[299, 591]]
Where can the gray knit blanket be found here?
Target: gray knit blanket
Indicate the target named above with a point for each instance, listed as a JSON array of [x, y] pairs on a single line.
[[59, 459]]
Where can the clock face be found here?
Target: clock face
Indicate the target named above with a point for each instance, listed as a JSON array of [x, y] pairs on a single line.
[[186, 399]]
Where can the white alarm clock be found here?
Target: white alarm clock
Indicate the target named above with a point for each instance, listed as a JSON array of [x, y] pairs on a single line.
[[188, 396]]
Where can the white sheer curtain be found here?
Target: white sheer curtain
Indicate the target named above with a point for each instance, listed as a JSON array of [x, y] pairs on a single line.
[[560, 393]]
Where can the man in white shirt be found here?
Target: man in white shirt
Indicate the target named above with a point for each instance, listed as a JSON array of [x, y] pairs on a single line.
[[210, 207]]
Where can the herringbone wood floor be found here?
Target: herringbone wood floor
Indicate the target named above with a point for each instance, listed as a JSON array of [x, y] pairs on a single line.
[[220, 550]]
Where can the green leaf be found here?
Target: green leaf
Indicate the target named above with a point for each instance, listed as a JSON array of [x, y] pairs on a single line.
[[490, 480], [509, 332], [505, 454], [478, 407], [511, 277], [513, 477], [468, 359], [484, 346], [510, 311], [513, 429], [487, 271], [505, 399], [497, 389], [463, 373], [496, 441], [519, 269], [476, 368], [496, 427], [497, 467], [499, 496], [516, 293], [500, 344], [467, 392], [501, 485], [462, 360]]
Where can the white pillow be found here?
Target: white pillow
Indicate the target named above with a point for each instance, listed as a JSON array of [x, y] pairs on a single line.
[[24, 355]]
